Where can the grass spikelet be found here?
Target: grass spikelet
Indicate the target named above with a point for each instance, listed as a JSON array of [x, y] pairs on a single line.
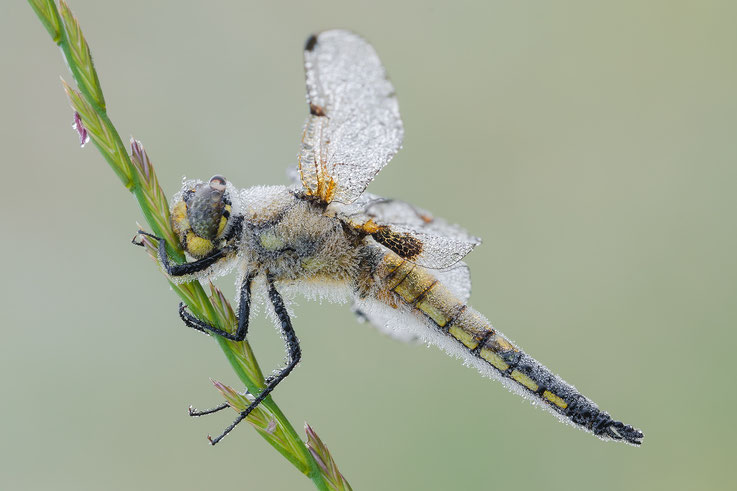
[[138, 175]]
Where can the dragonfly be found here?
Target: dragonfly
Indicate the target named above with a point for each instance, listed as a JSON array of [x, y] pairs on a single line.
[[400, 266]]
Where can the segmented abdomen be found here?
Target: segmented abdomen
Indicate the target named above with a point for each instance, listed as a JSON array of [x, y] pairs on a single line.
[[489, 350]]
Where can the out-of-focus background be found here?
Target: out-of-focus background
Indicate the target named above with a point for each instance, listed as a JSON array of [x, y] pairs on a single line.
[[592, 147]]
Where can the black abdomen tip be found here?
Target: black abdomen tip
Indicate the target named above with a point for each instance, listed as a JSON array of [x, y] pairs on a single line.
[[605, 426]]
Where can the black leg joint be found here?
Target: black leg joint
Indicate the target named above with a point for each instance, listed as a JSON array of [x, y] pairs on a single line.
[[294, 354], [173, 269], [244, 311]]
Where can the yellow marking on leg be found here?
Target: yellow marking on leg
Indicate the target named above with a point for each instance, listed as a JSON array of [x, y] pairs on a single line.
[[558, 401], [524, 380], [494, 359]]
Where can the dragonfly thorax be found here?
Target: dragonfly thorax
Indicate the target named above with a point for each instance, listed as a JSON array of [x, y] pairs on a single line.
[[292, 238]]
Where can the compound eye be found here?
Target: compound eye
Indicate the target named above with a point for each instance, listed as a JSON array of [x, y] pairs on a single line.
[[217, 182], [205, 208]]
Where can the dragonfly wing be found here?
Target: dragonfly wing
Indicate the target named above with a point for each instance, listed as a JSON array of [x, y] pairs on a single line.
[[354, 127], [411, 232], [395, 212], [392, 322], [457, 279], [429, 250], [398, 323]]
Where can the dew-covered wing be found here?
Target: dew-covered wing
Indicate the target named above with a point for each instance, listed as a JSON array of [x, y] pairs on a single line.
[[411, 232], [429, 250], [395, 212], [354, 127], [429, 230], [392, 322], [400, 323]]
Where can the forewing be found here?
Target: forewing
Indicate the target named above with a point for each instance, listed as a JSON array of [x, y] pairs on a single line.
[[429, 250], [457, 279], [414, 233], [354, 127], [402, 216], [395, 212]]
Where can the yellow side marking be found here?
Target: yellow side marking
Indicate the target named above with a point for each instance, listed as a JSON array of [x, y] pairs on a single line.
[[393, 262], [463, 336], [555, 399], [524, 380], [476, 328], [221, 225], [440, 317], [426, 291], [440, 305], [413, 286], [502, 344], [399, 275], [494, 359], [179, 221], [179, 212], [406, 289]]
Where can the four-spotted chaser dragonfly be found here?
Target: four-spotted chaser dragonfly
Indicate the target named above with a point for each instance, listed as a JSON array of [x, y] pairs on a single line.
[[399, 265]]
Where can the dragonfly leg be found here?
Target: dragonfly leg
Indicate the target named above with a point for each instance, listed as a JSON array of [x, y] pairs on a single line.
[[195, 413], [294, 354], [244, 309], [173, 269]]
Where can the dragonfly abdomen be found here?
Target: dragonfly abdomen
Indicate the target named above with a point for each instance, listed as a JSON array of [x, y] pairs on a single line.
[[489, 350]]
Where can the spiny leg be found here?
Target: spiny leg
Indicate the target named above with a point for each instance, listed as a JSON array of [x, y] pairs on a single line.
[[173, 269], [195, 413], [244, 311], [294, 354]]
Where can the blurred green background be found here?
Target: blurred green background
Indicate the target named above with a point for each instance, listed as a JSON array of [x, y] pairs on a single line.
[[592, 146]]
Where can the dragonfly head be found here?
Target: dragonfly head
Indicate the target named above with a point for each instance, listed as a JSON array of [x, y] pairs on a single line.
[[202, 216]]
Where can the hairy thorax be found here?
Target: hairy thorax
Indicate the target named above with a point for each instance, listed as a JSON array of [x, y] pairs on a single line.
[[292, 239]]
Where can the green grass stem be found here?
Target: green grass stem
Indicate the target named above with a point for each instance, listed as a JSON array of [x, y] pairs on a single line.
[[137, 174]]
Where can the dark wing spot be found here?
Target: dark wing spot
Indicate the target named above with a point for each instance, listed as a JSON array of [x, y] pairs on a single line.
[[404, 244], [311, 42], [316, 110]]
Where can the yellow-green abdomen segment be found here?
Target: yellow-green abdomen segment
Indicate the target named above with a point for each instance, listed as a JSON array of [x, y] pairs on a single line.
[[487, 348]]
